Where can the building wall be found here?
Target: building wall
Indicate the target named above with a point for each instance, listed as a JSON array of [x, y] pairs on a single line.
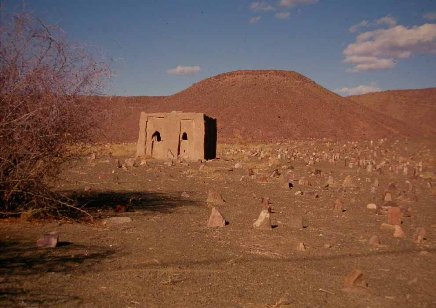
[[172, 135]]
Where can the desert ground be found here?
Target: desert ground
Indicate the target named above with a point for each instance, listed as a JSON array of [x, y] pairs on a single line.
[[332, 240]]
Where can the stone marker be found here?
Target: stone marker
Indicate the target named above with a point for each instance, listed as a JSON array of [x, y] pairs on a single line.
[[394, 216], [184, 195], [388, 197], [371, 206], [214, 197], [50, 240], [216, 219], [398, 232], [339, 206], [419, 235], [301, 247], [117, 220], [355, 282], [264, 221], [348, 182]]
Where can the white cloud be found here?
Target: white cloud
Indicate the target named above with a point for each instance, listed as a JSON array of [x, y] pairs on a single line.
[[292, 3], [430, 16], [255, 19], [388, 21], [360, 25], [184, 70], [282, 15], [379, 49], [261, 6], [362, 89]]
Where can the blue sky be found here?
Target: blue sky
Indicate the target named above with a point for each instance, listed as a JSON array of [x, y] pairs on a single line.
[[160, 47]]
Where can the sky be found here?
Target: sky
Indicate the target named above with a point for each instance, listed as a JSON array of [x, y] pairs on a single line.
[[161, 47]]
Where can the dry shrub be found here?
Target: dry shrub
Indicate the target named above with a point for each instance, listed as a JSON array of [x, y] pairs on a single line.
[[43, 84]]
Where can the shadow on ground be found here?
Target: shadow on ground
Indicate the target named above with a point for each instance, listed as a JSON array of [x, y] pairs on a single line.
[[20, 260], [133, 200]]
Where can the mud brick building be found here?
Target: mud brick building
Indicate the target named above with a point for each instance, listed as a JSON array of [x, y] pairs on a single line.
[[191, 136]]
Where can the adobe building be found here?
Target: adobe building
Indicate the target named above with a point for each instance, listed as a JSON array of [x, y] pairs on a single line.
[[191, 136]]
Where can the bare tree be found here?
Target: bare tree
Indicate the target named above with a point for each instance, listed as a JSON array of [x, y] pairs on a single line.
[[43, 85]]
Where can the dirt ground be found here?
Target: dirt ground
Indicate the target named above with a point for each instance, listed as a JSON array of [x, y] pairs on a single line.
[[168, 257]]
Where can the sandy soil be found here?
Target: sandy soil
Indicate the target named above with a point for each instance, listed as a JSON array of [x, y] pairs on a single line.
[[167, 257]]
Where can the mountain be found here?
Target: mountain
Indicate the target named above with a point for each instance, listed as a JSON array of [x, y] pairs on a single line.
[[417, 108], [261, 106]]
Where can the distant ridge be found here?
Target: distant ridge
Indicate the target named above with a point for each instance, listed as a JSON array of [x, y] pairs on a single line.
[[416, 108], [262, 106]]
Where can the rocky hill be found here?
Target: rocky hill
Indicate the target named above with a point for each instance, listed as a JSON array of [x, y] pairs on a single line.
[[261, 106], [417, 108]]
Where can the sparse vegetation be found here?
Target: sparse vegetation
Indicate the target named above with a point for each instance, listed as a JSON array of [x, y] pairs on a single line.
[[43, 82]]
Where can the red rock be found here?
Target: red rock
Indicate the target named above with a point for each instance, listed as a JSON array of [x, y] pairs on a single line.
[[216, 219], [355, 279], [50, 240], [394, 216], [339, 206]]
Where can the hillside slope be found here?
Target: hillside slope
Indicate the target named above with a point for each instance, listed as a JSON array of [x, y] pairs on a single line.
[[261, 106], [417, 108], [276, 105]]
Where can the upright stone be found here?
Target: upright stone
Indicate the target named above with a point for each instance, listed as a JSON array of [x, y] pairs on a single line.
[[216, 219], [264, 221], [394, 216]]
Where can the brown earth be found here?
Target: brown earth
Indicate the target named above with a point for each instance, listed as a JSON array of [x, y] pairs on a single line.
[[261, 106], [416, 108], [167, 257]]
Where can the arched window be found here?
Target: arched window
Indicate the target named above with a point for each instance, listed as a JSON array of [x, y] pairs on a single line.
[[184, 136], [156, 136]]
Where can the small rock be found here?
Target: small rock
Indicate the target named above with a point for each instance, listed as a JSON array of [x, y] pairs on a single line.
[[216, 219], [419, 235], [275, 174], [264, 221], [50, 240], [298, 193], [398, 232], [371, 206], [339, 206], [355, 282], [327, 246], [185, 195], [388, 197], [117, 220], [394, 216], [301, 247]]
